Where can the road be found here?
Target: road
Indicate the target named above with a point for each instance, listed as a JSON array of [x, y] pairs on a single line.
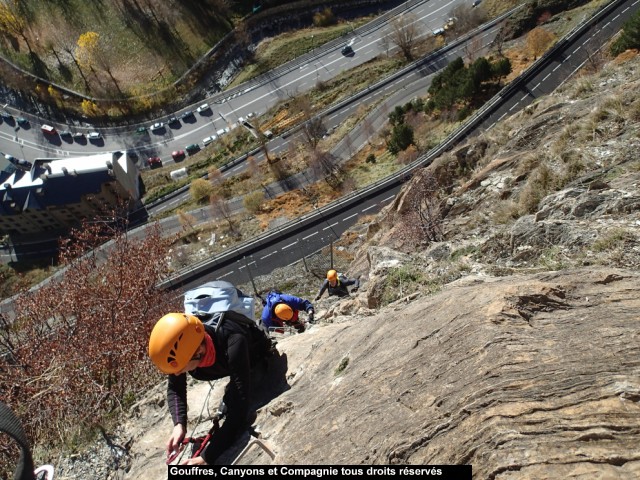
[[312, 232], [31, 143]]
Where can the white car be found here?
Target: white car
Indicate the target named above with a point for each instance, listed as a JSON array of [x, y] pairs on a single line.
[[209, 140], [157, 126], [94, 135], [202, 108]]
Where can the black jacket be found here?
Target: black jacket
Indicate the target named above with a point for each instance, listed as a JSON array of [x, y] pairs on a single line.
[[340, 289], [238, 348]]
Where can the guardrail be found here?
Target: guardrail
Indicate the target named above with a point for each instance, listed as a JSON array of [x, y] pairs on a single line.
[[394, 179]]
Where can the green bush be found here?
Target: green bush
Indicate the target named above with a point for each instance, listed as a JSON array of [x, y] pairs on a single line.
[[401, 138], [253, 201], [630, 37]]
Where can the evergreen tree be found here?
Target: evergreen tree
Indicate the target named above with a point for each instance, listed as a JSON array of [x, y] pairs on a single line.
[[401, 138], [630, 37]]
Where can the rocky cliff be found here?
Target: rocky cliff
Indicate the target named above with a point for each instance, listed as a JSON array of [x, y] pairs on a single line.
[[510, 343]]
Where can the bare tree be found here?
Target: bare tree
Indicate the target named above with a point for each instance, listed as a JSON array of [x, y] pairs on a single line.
[[323, 165], [404, 34], [187, 220], [422, 215], [220, 209], [93, 322]]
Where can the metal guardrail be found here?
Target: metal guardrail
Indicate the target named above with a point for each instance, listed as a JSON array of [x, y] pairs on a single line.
[[399, 176]]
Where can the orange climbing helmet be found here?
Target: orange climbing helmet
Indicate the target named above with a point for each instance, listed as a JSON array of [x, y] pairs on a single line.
[[283, 311], [332, 275], [174, 340]]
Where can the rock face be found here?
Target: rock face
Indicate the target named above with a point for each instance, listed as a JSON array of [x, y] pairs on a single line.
[[513, 343], [524, 377], [535, 376]]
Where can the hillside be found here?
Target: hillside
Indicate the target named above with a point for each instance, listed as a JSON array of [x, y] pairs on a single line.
[[509, 344]]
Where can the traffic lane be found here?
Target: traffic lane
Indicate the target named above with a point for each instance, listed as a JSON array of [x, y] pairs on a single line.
[[268, 255]]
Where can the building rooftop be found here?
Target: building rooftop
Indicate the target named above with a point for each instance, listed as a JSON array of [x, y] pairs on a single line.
[[51, 182]]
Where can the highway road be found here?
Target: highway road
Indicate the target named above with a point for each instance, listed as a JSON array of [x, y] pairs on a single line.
[[31, 143], [386, 94], [312, 233]]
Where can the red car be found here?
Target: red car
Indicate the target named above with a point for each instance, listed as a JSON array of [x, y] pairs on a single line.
[[178, 155], [154, 162]]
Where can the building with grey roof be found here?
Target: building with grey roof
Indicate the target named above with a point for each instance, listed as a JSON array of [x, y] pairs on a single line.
[[43, 199]]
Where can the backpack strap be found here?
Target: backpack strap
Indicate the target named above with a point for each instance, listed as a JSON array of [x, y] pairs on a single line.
[[10, 424]]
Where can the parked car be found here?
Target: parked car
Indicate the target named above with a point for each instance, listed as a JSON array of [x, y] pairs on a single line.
[[78, 135], [48, 129], [23, 122], [6, 115], [177, 155], [157, 126], [154, 162], [202, 108], [268, 133], [193, 148], [206, 141], [94, 135], [141, 130], [187, 114], [65, 133], [476, 3], [172, 121], [438, 31]]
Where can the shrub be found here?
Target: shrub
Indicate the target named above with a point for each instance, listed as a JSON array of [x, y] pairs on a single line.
[[201, 190], [253, 201], [400, 282], [401, 138]]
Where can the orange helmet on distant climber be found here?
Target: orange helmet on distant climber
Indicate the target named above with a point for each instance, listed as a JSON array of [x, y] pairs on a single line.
[[174, 340], [283, 311], [332, 275]]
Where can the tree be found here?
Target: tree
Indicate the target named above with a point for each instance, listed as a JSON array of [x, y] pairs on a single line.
[[220, 208], [630, 37], [422, 215], [66, 38], [200, 190], [187, 220], [401, 138], [324, 18], [252, 201], [323, 165], [12, 21], [89, 108], [86, 48], [501, 68], [78, 344], [404, 34], [538, 40]]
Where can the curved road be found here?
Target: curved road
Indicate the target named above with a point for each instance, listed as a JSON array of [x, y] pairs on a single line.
[[30, 143]]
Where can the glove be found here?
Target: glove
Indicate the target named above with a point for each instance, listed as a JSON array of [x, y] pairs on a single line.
[[354, 289], [310, 316], [316, 299]]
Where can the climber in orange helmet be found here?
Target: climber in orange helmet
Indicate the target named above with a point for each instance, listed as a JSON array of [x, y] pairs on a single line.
[[179, 344]]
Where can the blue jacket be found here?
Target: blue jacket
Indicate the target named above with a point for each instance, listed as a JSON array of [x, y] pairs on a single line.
[[269, 318]]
